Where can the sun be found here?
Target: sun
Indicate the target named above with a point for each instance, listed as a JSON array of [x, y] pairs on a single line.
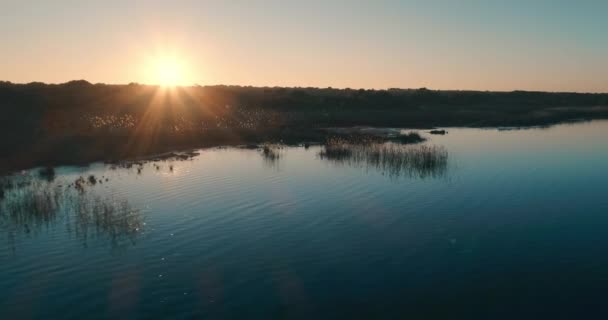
[[169, 72], [166, 67]]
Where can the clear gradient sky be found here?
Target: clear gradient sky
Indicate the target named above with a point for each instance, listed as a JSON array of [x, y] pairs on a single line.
[[485, 45]]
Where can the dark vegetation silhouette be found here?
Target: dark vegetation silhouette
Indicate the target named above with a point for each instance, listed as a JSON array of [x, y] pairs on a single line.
[[76, 122], [29, 205], [271, 154], [391, 159]]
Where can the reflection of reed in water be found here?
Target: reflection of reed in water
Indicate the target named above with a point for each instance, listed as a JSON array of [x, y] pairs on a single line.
[[28, 205], [390, 158]]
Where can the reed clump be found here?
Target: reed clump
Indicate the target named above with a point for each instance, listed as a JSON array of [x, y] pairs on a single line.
[[408, 138], [29, 204], [391, 158]]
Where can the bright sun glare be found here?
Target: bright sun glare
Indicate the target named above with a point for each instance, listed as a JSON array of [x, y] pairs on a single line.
[[169, 72]]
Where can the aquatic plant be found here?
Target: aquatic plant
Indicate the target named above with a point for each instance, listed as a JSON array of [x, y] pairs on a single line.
[[47, 173], [271, 153], [28, 204], [410, 137], [79, 184], [390, 158]]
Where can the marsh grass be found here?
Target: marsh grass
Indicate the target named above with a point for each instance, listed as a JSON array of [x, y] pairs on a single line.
[[47, 173], [408, 138], [31, 204], [389, 158], [372, 135]]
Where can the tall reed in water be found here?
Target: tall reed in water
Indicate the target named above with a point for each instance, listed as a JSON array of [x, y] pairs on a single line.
[[390, 158], [29, 204]]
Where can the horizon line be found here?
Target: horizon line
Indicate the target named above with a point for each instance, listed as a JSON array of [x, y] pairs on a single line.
[[296, 87]]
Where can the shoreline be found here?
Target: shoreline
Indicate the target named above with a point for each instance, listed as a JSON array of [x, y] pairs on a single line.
[[115, 152]]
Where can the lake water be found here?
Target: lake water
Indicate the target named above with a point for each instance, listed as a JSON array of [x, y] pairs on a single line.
[[514, 224]]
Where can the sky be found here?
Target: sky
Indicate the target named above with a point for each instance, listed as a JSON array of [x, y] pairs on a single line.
[[478, 45]]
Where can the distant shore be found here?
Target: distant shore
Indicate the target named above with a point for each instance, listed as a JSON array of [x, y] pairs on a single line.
[[78, 122]]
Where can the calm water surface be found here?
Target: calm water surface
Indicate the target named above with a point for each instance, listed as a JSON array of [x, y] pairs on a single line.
[[514, 225]]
